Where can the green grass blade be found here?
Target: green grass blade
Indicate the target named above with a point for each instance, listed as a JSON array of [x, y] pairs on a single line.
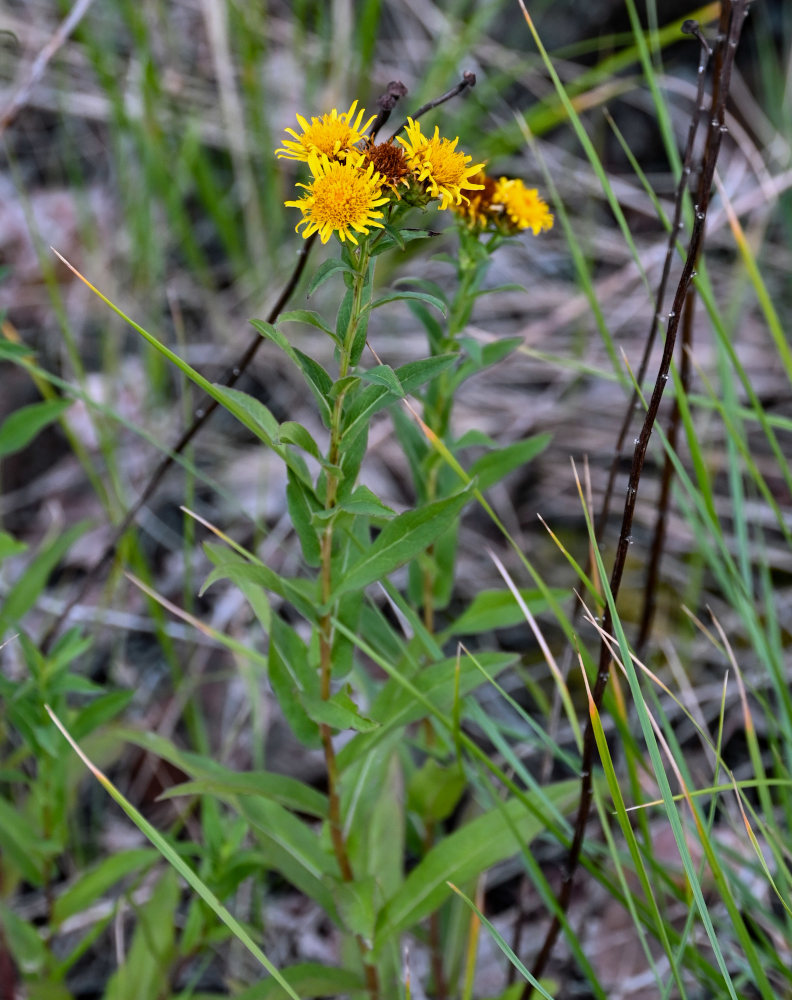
[[170, 855]]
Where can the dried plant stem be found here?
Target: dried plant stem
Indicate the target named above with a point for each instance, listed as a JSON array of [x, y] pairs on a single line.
[[42, 60], [468, 80], [202, 414], [663, 501], [676, 223], [730, 27]]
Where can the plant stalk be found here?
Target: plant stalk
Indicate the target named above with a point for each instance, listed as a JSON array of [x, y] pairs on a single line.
[[326, 631]]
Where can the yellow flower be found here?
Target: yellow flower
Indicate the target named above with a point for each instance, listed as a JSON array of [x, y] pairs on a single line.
[[478, 211], [342, 196], [332, 134], [436, 163], [523, 207]]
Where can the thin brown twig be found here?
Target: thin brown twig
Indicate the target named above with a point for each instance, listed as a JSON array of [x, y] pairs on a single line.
[[42, 60], [689, 27], [676, 223], [730, 27], [202, 414], [468, 80], [664, 499]]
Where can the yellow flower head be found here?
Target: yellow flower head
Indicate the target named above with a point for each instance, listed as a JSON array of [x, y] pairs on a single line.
[[438, 165], [343, 196], [523, 207], [333, 135], [478, 210], [505, 205]]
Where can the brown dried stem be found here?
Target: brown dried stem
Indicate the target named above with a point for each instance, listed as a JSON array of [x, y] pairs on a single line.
[[676, 223], [42, 60], [663, 501], [730, 27], [468, 80]]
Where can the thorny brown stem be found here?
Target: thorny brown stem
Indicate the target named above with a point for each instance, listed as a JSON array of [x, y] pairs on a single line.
[[202, 414], [729, 29], [661, 518], [690, 28]]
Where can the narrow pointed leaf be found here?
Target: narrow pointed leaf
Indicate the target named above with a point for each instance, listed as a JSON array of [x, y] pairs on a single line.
[[492, 467], [400, 540], [430, 300], [19, 429], [498, 834]]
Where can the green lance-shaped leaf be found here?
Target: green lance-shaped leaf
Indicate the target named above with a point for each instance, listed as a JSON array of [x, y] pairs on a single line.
[[435, 789], [11, 351], [316, 377], [293, 677], [95, 882], [307, 316], [465, 854], [327, 270], [98, 712], [347, 615], [24, 593], [496, 464], [308, 979], [319, 382], [242, 571], [483, 355], [338, 711], [356, 905], [294, 433], [384, 375], [399, 238], [400, 540], [251, 412], [492, 609], [374, 397], [292, 849], [435, 330], [19, 429], [424, 297], [213, 778], [344, 316], [395, 707], [361, 501], [27, 949], [301, 511], [9, 546]]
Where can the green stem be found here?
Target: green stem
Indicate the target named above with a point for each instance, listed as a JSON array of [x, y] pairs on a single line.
[[437, 413], [326, 632]]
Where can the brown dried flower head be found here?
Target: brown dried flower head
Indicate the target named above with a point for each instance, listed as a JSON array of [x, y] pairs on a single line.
[[390, 162]]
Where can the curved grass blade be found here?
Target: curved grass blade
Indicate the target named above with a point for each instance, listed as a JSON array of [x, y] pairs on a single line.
[[170, 855]]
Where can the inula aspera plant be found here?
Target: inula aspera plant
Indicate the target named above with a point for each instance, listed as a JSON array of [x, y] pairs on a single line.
[[368, 197], [355, 654]]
